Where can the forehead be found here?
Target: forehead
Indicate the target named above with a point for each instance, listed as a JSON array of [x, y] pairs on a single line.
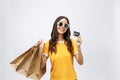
[[63, 20]]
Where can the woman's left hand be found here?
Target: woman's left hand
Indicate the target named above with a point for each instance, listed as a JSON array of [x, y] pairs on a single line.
[[79, 41]]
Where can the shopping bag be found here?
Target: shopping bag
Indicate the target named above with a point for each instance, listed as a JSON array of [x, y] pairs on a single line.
[[35, 71], [19, 59], [25, 63], [29, 63]]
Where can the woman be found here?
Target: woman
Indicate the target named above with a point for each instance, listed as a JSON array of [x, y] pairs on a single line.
[[61, 49]]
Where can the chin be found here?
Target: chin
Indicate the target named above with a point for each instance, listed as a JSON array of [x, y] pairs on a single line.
[[61, 32]]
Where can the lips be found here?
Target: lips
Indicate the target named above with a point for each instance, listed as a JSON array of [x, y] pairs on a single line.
[[62, 30]]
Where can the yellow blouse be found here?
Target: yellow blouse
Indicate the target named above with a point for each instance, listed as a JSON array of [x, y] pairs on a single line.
[[62, 67]]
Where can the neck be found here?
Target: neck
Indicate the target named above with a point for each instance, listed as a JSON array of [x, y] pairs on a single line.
[[60, 38]]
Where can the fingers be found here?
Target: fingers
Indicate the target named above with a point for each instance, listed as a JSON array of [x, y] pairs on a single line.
[[40, 41], [79, 40]]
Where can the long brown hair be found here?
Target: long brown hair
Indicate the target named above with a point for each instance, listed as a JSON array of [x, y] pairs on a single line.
[[54, 36]]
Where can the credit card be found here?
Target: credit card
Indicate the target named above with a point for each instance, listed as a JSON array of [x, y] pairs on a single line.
[[76, 33]]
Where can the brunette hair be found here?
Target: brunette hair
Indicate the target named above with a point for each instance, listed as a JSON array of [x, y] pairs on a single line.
[[54, 36]]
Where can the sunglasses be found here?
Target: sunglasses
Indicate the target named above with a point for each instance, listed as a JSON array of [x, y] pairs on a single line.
[[60, 24]]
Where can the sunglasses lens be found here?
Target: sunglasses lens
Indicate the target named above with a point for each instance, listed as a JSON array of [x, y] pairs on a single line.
[[60, 24], [66, 25]]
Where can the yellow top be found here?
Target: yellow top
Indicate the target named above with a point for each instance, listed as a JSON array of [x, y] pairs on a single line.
[[62, 67]]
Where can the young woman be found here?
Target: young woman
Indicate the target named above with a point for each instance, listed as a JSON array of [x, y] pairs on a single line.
[[61, 50]]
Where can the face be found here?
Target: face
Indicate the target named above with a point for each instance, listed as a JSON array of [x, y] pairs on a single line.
[[62, 26]]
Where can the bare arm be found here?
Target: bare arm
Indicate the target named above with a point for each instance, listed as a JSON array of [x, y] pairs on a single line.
[[43, 61], [79, 56], [43, 57]]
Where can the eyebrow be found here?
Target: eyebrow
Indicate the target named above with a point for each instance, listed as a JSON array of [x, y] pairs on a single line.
[[63, 22]]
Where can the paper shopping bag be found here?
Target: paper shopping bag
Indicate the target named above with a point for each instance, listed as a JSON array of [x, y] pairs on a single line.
[[25, 63], [19, 59], [28, 63], [35, 71]]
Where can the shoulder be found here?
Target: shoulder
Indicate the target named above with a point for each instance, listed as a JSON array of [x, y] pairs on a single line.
[[73, 41], [46, 43]]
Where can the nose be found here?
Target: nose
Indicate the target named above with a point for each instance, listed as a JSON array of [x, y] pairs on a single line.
[[63, 25]]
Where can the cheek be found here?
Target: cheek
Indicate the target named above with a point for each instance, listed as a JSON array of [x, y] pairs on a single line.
[[61, 30], [58, 30]]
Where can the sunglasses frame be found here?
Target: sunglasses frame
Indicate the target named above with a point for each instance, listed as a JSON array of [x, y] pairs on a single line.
[[63, 24]]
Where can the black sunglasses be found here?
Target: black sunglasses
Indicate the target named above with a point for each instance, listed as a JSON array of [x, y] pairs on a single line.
[[63, 24]]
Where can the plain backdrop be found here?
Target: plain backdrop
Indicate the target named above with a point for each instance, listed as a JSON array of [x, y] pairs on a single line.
[[23, 22]]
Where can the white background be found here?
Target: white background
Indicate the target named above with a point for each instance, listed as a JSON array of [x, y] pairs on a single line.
[[23, 22]]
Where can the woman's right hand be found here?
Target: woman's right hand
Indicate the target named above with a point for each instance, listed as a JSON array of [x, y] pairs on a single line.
[[40, 41]]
